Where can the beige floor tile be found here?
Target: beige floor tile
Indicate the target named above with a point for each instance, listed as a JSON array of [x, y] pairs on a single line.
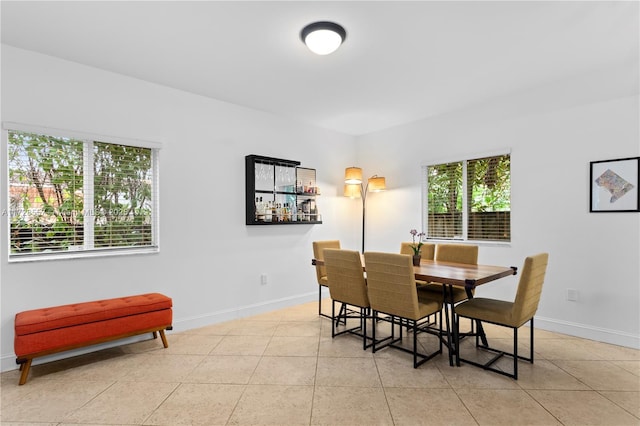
[[198, 404], [241, 345], [292, 346], [471, 377], [283, 367], [350, 406], [272, 316], [505, 407], [44, 401], [229, 369], [417, 407], [630, 366], [220, 329], [543, 374], [501, 344], [307, 314], [358, 372], [162, 368], [609, 352], [282, 370], [601, 375], [400, 373], [253, 328], [274, 405], [297, 328], [545, 334], [583, 408], [123, 403], [10, 390], [563, 349], [346, 345], [191, 344], [630, 401]]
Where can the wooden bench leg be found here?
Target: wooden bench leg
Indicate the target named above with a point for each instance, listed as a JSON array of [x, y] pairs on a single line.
[[155, 335], [164, 339], [25, 371]]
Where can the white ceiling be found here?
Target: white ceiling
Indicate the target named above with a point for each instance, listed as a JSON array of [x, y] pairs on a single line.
[[402, 61]]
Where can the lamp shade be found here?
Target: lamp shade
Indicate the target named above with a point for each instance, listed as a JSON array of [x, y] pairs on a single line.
[[353, 175], [377, 184], [323, 37], [352, 190]]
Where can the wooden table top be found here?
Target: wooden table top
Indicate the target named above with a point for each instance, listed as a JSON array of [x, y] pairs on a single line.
[[458, 274]]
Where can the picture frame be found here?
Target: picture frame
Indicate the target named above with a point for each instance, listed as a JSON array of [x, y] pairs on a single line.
[[614, 185]]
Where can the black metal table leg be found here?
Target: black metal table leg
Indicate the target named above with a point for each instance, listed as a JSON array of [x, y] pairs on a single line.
[[479, 328]]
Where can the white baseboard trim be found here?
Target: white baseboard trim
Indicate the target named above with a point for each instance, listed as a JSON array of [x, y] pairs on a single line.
[[599, 334], [8, 361]]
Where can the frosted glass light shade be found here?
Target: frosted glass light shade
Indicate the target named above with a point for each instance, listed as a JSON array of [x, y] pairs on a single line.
[[323, 38], [353, 175]]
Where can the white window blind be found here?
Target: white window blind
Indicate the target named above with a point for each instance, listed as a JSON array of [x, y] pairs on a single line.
[[72, 197], [469, 199]]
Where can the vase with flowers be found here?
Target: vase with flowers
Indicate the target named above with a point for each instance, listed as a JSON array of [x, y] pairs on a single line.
[[416, 246]]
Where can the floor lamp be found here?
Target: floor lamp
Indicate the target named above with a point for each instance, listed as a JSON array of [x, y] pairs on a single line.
[[354, 188]]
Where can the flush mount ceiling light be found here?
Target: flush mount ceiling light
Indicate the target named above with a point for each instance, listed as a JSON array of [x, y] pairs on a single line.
[[323, 37]]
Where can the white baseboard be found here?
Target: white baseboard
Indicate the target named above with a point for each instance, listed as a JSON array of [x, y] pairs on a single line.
[[613, 337], [8, 361]]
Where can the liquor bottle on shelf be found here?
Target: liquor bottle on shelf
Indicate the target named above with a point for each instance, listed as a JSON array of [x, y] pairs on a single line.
[[267, 212], [256, 207]]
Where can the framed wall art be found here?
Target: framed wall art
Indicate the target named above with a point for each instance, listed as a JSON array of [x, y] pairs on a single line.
[[614, 185]]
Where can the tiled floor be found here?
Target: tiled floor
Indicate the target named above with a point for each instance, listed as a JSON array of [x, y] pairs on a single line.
[[283, 368]]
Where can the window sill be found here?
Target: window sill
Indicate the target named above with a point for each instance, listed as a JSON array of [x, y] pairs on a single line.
[[81, 254], [474, 242]]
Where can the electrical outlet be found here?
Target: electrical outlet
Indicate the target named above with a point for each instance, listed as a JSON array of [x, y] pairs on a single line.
[[572, 294], [263, 279]]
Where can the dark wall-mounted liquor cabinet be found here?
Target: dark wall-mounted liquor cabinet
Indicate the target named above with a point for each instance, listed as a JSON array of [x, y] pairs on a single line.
[[280, 192]]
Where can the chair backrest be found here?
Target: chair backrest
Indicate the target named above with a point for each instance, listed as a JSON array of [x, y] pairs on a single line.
[[426, 251], [346, 277], [318, 248], [391, 284], [530, 287], [457, 253]]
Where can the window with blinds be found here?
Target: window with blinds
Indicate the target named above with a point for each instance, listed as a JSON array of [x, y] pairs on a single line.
[[78, 197], [469, 199]]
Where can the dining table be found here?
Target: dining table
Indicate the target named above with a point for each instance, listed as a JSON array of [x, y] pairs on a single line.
[[452, 275]]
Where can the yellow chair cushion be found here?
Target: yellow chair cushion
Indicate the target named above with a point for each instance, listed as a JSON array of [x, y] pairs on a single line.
[[436, 291], [491, 310]]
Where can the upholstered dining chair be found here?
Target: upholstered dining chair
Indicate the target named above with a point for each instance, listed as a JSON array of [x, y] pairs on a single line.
[[509, 314], [392, 291], [321, 273], [427, 250], [456, 253], [347, 285]]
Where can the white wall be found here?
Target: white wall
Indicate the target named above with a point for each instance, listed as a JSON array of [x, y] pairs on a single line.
[[553, 133], [210, 262]]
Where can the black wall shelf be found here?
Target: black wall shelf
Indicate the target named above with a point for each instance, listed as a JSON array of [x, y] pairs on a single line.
[[280, 192]]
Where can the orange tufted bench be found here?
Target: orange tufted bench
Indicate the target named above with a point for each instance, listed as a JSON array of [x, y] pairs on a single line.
[[47, 331]]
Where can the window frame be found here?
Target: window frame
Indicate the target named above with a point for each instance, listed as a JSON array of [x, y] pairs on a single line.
[[88, 139], [465, 213]]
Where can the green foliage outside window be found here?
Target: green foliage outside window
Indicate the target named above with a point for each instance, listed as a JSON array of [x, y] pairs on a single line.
[[48, 199], [488, 189]]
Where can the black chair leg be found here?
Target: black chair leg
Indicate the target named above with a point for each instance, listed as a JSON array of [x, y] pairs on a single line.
[[515, 353]]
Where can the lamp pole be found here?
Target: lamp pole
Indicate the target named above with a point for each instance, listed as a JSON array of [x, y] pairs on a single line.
[[363, 195], [353, 177]]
